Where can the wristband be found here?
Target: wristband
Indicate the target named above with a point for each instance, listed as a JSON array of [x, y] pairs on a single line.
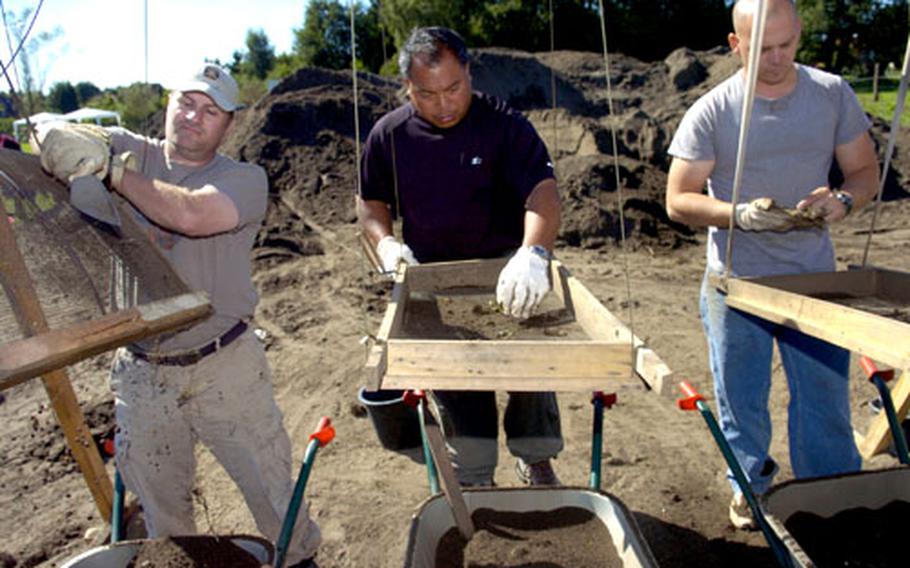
[[844, 198], [541, 252]]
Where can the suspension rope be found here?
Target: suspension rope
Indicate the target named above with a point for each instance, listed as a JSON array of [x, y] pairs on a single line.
[[889, 151], [553, 88], [757, 38], [365, 341], [619, 192]]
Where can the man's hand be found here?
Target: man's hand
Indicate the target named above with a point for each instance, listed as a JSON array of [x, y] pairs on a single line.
[[763, 214], [523, 283], [72, 150], [392, 253], [826, 203]]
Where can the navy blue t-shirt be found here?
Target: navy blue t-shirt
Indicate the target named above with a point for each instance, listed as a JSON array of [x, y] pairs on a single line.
[[462, 190]]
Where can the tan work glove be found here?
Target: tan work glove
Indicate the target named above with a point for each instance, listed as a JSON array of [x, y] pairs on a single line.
[[763, 214], [119, 164], [72, 150]]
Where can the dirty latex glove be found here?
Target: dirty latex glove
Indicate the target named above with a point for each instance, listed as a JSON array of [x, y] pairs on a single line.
[[72, 150], [392, 253], [763, 214], [523, 282]]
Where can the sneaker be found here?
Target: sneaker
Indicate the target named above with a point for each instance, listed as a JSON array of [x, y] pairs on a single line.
[[306, 563], [539, 473], [741, 514]]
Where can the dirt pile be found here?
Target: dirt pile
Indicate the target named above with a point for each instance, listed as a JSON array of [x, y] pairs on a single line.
[[303, 134]]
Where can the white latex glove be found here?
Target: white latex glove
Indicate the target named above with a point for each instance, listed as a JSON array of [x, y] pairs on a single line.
[[763, 214], [523, 283], [392, 253]]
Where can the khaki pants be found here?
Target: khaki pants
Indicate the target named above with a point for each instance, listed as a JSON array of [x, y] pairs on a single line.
[[226, 402]]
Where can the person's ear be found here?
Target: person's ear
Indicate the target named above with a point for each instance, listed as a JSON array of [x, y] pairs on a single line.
[[733, 42]]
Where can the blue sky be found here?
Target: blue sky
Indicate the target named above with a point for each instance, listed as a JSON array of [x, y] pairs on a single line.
[[103, 40]]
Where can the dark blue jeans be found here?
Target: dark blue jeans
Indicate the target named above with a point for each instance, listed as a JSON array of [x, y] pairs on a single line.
[[820, 434]]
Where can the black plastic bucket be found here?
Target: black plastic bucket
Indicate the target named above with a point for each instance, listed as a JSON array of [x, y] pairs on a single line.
[[397, 424]]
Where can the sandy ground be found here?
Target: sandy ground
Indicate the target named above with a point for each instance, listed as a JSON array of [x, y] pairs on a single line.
[[659, 461]]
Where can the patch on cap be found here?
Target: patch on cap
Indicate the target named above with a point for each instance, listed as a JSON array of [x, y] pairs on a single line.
[[217, 83]]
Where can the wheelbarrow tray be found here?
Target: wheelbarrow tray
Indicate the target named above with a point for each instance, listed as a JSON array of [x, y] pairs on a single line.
[[120, 554], [434, 518], [827, 496]]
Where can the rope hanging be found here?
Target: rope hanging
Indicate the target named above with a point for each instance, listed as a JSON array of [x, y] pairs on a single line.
[[619, 193], [889, 151], [757, 38]]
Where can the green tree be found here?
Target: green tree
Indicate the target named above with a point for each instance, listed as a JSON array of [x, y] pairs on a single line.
[[402, 16], [85, 90], [32, 64], [138, 103], [325, 38], [526, 24], [62, 97], [259, 57], [838, 34], [888, 40]]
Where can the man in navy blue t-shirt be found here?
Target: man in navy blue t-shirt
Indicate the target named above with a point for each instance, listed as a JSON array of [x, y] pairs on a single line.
[[470, 178]]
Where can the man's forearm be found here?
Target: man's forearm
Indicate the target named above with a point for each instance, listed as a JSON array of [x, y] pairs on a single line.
[[375, 219], [699, 210], [201, 212], [542, 216]]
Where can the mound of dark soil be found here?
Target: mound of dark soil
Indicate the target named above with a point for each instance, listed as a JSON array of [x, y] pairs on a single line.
[[303, 133]]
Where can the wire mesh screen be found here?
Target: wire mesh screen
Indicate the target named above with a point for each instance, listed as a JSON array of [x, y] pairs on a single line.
[[80, 268]]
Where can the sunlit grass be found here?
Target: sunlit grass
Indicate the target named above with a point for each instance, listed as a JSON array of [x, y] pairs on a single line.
[[887, 100]]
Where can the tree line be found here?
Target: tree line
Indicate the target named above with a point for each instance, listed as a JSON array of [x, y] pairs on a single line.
[[843, 36]]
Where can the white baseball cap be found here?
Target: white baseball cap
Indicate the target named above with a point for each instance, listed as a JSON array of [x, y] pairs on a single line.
[[215, 82]]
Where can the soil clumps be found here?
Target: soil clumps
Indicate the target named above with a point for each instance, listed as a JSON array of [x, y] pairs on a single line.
[[568, 537]]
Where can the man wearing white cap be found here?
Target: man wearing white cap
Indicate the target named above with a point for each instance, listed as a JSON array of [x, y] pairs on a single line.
[[210, 383]]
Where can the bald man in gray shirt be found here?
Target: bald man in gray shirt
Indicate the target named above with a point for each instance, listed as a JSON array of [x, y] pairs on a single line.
[[802, 119]]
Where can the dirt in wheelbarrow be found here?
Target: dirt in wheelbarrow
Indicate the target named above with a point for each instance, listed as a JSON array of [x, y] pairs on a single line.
[[854, 538], [192, 552], [472, 313], [568, 537]]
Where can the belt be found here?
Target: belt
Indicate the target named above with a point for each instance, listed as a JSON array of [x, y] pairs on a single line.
[[195, 355]]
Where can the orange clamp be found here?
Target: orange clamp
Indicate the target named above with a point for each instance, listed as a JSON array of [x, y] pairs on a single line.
[[325, 432], [871, 370], [691, 398], [608, 400]]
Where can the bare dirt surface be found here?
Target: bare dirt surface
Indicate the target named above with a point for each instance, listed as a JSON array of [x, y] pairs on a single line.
[[318, 300], [472, 313]]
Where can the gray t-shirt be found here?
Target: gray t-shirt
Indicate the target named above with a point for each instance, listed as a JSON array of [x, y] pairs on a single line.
[[789, 151], [218, 264]]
